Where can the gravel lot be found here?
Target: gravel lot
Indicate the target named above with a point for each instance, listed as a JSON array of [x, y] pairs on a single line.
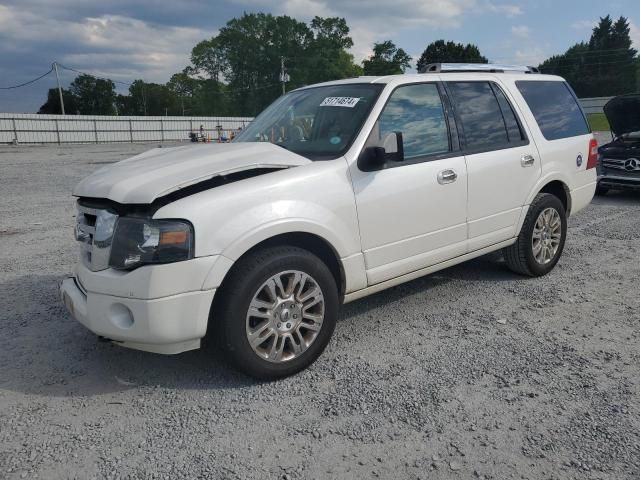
[[470, 373]]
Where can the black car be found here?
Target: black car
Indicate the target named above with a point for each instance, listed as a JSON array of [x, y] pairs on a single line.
[[619, 161]]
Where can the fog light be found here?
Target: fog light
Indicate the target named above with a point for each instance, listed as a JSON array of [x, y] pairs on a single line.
[[121, 316]]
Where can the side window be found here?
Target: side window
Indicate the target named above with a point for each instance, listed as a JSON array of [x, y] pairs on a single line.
[[479, 112], [555, 108], [417, 112], [510, 121]]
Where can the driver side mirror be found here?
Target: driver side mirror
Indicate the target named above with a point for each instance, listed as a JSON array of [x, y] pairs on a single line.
[[374, 158]]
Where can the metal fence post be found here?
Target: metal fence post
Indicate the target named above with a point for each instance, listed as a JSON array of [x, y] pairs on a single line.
[[130, 131], [57, 131], [95, 129], [162, 130], [15, 130]]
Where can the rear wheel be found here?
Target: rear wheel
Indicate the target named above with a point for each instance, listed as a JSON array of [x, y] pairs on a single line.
[[541, 240], [278, 311]]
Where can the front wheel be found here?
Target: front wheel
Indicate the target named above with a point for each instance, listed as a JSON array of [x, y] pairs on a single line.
[[541, 240], [278, 311]]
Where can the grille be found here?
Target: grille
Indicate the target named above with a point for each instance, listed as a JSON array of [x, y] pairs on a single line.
[[629, 165], [94, 231]]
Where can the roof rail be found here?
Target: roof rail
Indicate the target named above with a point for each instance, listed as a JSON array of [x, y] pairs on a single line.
[[475, 67]]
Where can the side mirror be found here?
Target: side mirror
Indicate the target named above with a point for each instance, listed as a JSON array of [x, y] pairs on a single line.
[[375, 158]]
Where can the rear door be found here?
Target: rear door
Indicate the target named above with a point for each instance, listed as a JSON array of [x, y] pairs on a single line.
[[564, 136], [502, 164]]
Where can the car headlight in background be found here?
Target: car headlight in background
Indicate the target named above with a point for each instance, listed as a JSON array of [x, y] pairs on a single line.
[[139, 241]]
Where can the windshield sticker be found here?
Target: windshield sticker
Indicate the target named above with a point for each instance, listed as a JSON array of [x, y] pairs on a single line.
[[348, 102], [335, 140]]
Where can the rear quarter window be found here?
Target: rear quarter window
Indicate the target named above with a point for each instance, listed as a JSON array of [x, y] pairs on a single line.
[[555, 108]]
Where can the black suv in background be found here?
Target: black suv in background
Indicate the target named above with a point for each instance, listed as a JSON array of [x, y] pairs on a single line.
[[619, 161]]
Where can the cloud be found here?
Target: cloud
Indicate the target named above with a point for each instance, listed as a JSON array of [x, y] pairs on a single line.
[[521, 31], [531, 56], [152, 39], [108, 45], [583, 24], [506, 9], [635, 35]]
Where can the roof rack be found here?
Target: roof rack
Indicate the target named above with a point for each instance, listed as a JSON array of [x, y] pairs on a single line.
[[475, 67]]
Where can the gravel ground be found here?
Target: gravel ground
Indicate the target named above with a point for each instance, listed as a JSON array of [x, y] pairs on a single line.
[[469, 373]]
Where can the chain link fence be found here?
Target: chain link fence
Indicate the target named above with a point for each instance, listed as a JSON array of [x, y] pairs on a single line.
[[64, 129]]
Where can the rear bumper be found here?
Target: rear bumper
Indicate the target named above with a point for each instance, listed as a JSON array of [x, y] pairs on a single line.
[[168, 325]]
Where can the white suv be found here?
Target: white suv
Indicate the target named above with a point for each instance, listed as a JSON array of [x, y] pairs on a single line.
[[336, 191]]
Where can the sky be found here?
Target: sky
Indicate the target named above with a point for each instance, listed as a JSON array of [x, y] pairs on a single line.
[[152, 39]]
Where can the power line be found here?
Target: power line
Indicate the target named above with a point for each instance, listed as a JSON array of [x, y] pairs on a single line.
[[94, 76], [29, 82]]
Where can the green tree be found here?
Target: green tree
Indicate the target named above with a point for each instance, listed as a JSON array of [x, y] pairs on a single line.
[[93, 96], [52, 105], [149, 99], [605, 66], [208, 58], [450, 52], [387, 59], [327, 55], [247, 55], [253, 46]]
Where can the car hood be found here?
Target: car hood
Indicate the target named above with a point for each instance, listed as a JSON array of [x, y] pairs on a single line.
[[158, 172], [623, 113]]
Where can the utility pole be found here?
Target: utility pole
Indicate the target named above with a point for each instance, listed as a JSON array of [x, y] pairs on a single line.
[[284, 76], [55, 66]]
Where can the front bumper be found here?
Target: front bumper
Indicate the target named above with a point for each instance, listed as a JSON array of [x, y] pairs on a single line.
[[169, 324], [619, 182]]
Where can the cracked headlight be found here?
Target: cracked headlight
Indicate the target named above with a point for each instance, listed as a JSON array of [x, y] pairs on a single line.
[[139, 241]]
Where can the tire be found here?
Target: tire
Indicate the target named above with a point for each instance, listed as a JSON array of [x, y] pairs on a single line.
[[252, 283], [521, 257], [602, 190]]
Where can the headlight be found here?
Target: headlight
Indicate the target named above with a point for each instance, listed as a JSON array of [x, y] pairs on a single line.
[[139, 241]]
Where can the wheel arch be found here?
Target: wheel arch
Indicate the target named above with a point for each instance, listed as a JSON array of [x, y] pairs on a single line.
[[561, 190], [312, 242]]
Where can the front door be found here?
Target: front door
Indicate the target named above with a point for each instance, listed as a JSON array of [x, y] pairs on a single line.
[[412, 213]]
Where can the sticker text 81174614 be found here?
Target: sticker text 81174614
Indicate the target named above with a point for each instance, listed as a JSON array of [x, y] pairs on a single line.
[[348, 102]]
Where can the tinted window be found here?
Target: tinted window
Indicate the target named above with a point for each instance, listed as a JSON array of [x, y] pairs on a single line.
[[513, 127], [318, 123], [480, 115], [554, 108], [416, 111]]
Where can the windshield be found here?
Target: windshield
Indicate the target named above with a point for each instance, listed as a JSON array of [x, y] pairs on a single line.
[[318, 123]]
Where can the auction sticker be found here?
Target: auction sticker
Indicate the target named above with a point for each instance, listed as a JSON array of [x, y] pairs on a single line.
[[348, 102]]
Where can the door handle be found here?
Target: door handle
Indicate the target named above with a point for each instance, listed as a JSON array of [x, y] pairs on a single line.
[[527, 160], [447, 176]]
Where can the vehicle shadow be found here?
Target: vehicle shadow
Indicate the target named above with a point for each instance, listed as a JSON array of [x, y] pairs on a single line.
[[45, 352], [618, 197]]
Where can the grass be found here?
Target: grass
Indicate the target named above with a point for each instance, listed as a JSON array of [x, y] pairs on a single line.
[[598, 122]]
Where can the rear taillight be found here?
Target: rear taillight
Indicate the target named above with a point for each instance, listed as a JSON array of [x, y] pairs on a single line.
[[593, 154]]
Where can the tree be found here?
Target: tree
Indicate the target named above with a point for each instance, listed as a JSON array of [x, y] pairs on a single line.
[[387, 59], [208, 58], [149, 99], [93, 96], [52, 105], [327, 55], [605, 66], [450, 52]]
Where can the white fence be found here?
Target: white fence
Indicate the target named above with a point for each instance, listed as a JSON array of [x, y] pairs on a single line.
[[34, 128], [594, 104], [62, 129]]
